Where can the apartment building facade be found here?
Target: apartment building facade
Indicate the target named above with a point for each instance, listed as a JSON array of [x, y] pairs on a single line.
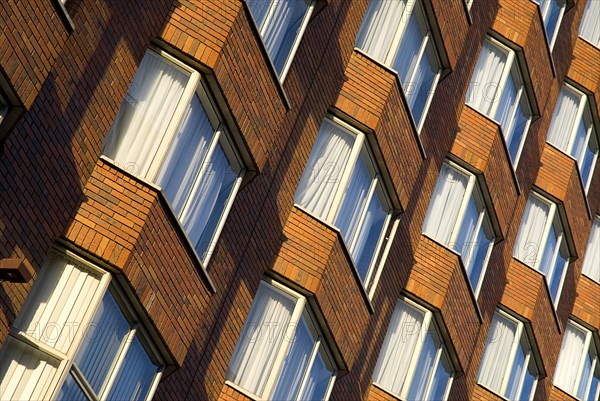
[[300, 199]]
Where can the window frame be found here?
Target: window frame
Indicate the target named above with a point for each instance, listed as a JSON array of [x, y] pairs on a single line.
[[586, 262], [584, 115], [301, 311], [195, 85], [311, 5], [360, 148], [584, 18], [512, 69], [544, 10], [474, 190], [521, 336], [106, 283], [590, 344], [428, 324]]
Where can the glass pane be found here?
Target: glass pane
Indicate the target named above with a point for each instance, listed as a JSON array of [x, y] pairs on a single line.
[[495, 356], [186, 153], [590, 28], [368, 236], [508, 100], [208, 200], [515, 375], [423, 370], [353, 202], [259, 10], [70, 390], [548, 253], [551, 18], [593, 392], [527, 245], [440, 381], [587, 164], [135, 376], [421, 86], [102, 342], [579, 143], [408, 51], [514, 138], [571, 352], [317, 381], [560, 264], [294, 364], [564, 118], [464, 241], [482, 92], [379, 25], [528, 381], [585, 375], [478, 257]]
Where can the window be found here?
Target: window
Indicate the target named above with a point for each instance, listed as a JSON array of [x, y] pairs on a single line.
[[3, 107], [342, 186], [591, 261], [281, 24], [577, 370], [589, 28], [508, 367], [573, 132], [397, 34], [77, 327], [541, 243], [457, 217], [281, 354], [413, 363], [167, 132], [552, 12], [497, 90]]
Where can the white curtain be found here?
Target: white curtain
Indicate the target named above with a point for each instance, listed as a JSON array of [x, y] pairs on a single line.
[[591, 263], [188, 149], [482, 92], [590, 27], [423, 370], [259, 10], [563, 119], [398, 347], [324, 169], [569, 358], [279, 23], [445, 204], [145, 113], [497, 352], [379, 27], [353, 202], [264, 331], [528, 242], [508, 100]]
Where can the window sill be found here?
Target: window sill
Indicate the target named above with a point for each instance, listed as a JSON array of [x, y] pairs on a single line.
[[242, 391], [164, 202], [64, 15], [589, 42], [388, 392]]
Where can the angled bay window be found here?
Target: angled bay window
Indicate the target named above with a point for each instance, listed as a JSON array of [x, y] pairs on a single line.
[[77, 338], [396, 33], [281, 353], [497, 90], [414, 363], [458, 217], [552, 13], [591, 260], [541, 243], [167, 132], [281, 24], [590, 28], [572, 130], [578, 369], [342, 185], [508, 367]]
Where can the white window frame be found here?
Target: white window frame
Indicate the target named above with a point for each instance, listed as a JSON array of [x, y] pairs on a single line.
[[511, 68], [428, 325], [301, 311], [360, 148], [425, 25], [520, 336], [544, 10], [588, 9], [66, 359], [583, 112], [194, 86], [589, 344], [4, 107], [267, 21], [474, 190], [552, 220], [587, 268]]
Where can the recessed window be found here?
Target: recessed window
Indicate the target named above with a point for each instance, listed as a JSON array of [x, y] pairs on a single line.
[[508, 367], [281, 24], [281, 353], [498, 91], [591, 260], [342, 186], [168, 132], [541, 243], [578, 369], [552, 12], [414, 363], [590, 28], [458, 217], [76, 325], [3, 107], [572, 131], [396, 33]]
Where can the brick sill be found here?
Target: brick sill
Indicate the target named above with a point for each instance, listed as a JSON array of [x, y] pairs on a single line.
[[165, 204]]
